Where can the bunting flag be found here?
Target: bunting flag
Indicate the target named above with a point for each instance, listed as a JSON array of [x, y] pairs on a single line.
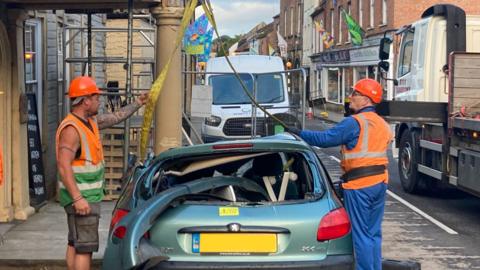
[[271, 50], [356, 32], [282, 45], [319, 27], [326, 37], [328, 40]]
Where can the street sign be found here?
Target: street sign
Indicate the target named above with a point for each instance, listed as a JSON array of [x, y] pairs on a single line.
[[35, 162]]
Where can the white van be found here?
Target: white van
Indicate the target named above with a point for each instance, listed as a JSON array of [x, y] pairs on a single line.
[[231, 107]]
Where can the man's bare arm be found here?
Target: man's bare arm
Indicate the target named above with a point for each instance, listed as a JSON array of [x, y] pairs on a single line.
[[69, 143], [109, 119]]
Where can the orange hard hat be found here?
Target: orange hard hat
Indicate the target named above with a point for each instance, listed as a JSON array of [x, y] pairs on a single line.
[[369, 88], [82, 86]]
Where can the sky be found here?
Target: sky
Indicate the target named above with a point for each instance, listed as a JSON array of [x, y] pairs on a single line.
[[235, 17]]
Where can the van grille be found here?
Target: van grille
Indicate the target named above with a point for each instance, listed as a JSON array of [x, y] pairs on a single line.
[[242, 126]]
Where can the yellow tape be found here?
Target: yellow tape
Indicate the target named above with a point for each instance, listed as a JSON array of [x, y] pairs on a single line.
[[158, 84]]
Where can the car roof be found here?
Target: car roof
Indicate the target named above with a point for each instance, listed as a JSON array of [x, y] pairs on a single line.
[[279, 142]]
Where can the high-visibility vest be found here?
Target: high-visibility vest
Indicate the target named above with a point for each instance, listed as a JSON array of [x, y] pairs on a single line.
[[88, 168], [370, 150]]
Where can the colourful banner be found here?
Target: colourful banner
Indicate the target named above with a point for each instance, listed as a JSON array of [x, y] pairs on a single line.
[[198, 39]]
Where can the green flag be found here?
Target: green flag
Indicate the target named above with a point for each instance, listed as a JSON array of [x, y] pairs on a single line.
[[356, 32]]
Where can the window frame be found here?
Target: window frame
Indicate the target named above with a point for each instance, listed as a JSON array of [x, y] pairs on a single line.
[[400, 70], [372, 13], [384, 12]]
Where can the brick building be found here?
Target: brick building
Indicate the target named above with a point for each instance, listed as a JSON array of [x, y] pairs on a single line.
[[334, 70], [291, 28]]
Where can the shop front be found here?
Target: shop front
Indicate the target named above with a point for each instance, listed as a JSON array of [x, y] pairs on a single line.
[[338, 70], [14, 192]]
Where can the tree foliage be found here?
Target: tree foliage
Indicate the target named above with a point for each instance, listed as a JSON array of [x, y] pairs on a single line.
[[227, 43]]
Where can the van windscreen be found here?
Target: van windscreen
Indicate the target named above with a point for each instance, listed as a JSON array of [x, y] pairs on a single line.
[[228, 90]]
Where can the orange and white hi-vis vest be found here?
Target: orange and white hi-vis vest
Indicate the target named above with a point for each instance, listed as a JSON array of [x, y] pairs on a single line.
[[88, 168], [371, 149]]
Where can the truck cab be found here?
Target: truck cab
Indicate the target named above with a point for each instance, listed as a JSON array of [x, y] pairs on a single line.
[[436, 100], [421, 61]]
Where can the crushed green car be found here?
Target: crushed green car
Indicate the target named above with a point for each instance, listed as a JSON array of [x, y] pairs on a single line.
[[266, 203]]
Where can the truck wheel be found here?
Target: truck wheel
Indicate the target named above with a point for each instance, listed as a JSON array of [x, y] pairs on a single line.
[[407, 162]]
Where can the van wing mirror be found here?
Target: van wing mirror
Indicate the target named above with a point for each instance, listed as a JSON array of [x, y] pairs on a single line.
[[384, 65], [384, 52]]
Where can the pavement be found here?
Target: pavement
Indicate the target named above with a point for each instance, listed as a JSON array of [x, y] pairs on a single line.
[[40, 241]]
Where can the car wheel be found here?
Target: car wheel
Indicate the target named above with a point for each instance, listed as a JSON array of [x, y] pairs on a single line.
[[408, 156]]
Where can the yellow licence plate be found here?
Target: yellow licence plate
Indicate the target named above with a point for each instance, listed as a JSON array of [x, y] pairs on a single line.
[[238, 243]]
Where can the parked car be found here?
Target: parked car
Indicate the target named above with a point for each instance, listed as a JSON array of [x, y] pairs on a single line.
[[266, 203], [231, 108]]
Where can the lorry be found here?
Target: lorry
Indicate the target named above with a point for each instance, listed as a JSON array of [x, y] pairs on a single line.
[[232, 111], [436, 103]]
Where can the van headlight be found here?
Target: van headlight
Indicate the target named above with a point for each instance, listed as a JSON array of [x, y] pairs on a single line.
[[213, 121]]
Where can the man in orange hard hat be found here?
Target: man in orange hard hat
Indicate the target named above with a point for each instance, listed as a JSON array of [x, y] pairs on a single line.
[[81, 166], [364, 138]]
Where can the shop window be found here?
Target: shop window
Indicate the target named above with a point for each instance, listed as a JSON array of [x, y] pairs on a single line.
[[33, 63], [334, 85], [360, 73], [348, 72], [319, 83], [406, 53], [372, 72], [30, 53]]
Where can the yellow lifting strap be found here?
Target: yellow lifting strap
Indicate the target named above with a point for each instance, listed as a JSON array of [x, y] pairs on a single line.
[[158, 84]]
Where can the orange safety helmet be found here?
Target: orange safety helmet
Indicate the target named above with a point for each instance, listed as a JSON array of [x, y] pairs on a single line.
[[82, 86], [369, 88]]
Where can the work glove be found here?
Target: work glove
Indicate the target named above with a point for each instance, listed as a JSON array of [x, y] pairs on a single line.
[[293, 130]]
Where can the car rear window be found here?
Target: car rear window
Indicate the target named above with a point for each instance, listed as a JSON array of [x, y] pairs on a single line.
[[267, 171]]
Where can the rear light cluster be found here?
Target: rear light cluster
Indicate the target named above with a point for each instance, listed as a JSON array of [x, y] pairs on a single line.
[[334, 225], [121, 231]]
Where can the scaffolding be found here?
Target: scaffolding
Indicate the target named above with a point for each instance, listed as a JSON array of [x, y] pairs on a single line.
[[123, 138]]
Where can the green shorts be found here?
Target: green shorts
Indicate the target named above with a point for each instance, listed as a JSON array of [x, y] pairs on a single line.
[[83, 230]]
